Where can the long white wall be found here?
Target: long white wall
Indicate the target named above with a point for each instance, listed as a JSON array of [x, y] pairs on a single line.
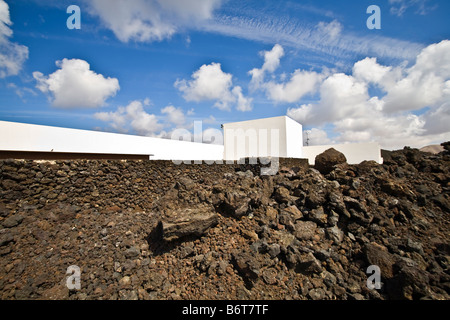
[[354, 152], [29, 137], [282, 135]]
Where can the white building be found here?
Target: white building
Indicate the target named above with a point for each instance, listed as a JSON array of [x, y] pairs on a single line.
[[271, 137], [31, 141]]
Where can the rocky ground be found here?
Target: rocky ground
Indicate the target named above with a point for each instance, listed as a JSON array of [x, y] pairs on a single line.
[[301, 234]]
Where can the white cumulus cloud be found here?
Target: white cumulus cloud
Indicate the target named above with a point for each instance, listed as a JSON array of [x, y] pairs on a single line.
[[132, 117], [150, 20], [243, 103], [175, 115], [425, 83], [75, 85], [411, 106], [12, 55], [210, 83], [300, 83], [271, 63]]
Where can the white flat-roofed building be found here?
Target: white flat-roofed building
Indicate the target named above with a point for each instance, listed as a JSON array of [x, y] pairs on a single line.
[[279, 137], [269, 137], [37, 141]]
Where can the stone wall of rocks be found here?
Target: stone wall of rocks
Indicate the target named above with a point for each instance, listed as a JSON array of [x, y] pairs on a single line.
[[157, 230], [106, 183], [97, 183]]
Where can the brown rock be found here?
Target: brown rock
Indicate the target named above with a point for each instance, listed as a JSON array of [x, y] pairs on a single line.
[[305, 230], [294, 212], [282, 195], [325, 161], [378, 255], [187, 222], [271, 213]]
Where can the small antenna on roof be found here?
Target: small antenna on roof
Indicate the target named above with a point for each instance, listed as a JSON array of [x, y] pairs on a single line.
[[307, 138]]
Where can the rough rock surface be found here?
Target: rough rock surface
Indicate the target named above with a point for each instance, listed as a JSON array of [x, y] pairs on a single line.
[[326, 161], [149, 230]]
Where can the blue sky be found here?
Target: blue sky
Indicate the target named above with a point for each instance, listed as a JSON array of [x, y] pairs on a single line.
[[150, 66]]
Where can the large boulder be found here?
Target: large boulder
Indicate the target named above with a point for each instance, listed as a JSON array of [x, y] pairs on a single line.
[[326, 161], [187, 222]]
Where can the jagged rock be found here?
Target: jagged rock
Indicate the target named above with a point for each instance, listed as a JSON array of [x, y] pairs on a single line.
[[305, 230], [315, 199], [5, 238], [326, 161], [335, 234], [282, 195], [274, 250], [4, 212], [269, 276], [294, 212], [308, 264], [442, 202], [409, 282], [132, 252], [235, 203], [271, 213], [187, 222], [13, 221], [318, 216], [395, 188], [379, 256], [246, 265]]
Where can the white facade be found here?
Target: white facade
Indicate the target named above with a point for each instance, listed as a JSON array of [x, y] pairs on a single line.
[[270, 137], [29, 137]]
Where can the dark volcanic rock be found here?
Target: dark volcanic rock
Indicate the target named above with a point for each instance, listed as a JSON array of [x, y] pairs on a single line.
[[379, 256], [187, 222], [326, 161], [246, 265], [13, 221], [305, 230], [157, 230]]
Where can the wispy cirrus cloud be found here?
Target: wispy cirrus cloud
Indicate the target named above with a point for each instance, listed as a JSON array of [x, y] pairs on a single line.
[[399, 7], [328, 39]]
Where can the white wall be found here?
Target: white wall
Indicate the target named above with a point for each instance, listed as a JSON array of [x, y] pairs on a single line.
[[276, 137], [354, 152], [28, 137], [294, 138]]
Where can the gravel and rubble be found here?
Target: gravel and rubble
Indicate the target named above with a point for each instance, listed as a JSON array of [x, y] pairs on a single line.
[[142, 231]]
